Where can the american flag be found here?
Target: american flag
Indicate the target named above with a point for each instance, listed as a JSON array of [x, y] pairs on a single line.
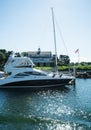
[[77, 50]]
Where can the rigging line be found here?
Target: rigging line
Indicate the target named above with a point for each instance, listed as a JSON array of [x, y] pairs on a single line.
[[60, 32]]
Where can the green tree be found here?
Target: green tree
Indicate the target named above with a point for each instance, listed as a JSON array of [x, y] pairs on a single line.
[[64, 60], [24, 54], [2, 57]]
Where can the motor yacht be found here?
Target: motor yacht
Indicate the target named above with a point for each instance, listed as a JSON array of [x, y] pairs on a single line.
[[20, 73]]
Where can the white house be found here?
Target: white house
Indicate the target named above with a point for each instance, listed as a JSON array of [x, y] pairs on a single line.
[[41, 58]]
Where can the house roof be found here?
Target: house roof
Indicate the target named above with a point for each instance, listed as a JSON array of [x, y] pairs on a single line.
[[39, 54]]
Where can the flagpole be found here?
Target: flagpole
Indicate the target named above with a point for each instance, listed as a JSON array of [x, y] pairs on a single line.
[[77, 51], [78, 58]]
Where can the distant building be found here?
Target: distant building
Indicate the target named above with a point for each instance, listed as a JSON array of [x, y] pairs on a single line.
[[41, 58]]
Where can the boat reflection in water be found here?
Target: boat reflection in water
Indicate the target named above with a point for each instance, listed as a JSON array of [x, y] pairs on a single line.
[[21, 74]]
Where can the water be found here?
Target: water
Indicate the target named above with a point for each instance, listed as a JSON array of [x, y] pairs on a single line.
[[60, 109]]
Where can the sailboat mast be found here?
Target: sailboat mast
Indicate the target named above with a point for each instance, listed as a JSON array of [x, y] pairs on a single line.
[[54, 39]]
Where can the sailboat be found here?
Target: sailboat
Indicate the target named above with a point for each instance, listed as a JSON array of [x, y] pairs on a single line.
[[54, 32]]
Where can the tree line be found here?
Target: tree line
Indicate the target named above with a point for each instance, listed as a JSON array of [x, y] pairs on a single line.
[[4, 56]]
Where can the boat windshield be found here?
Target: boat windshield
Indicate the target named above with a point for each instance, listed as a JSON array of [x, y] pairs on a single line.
[[29, 73], [18, 62], [24, 63]]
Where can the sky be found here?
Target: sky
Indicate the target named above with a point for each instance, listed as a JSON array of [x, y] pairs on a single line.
[[26, 25]]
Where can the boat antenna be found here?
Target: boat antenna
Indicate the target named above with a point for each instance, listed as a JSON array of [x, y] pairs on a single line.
[[56, 68]]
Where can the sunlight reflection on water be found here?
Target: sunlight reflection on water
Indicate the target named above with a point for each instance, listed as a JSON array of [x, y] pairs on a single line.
[[59, 109]]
